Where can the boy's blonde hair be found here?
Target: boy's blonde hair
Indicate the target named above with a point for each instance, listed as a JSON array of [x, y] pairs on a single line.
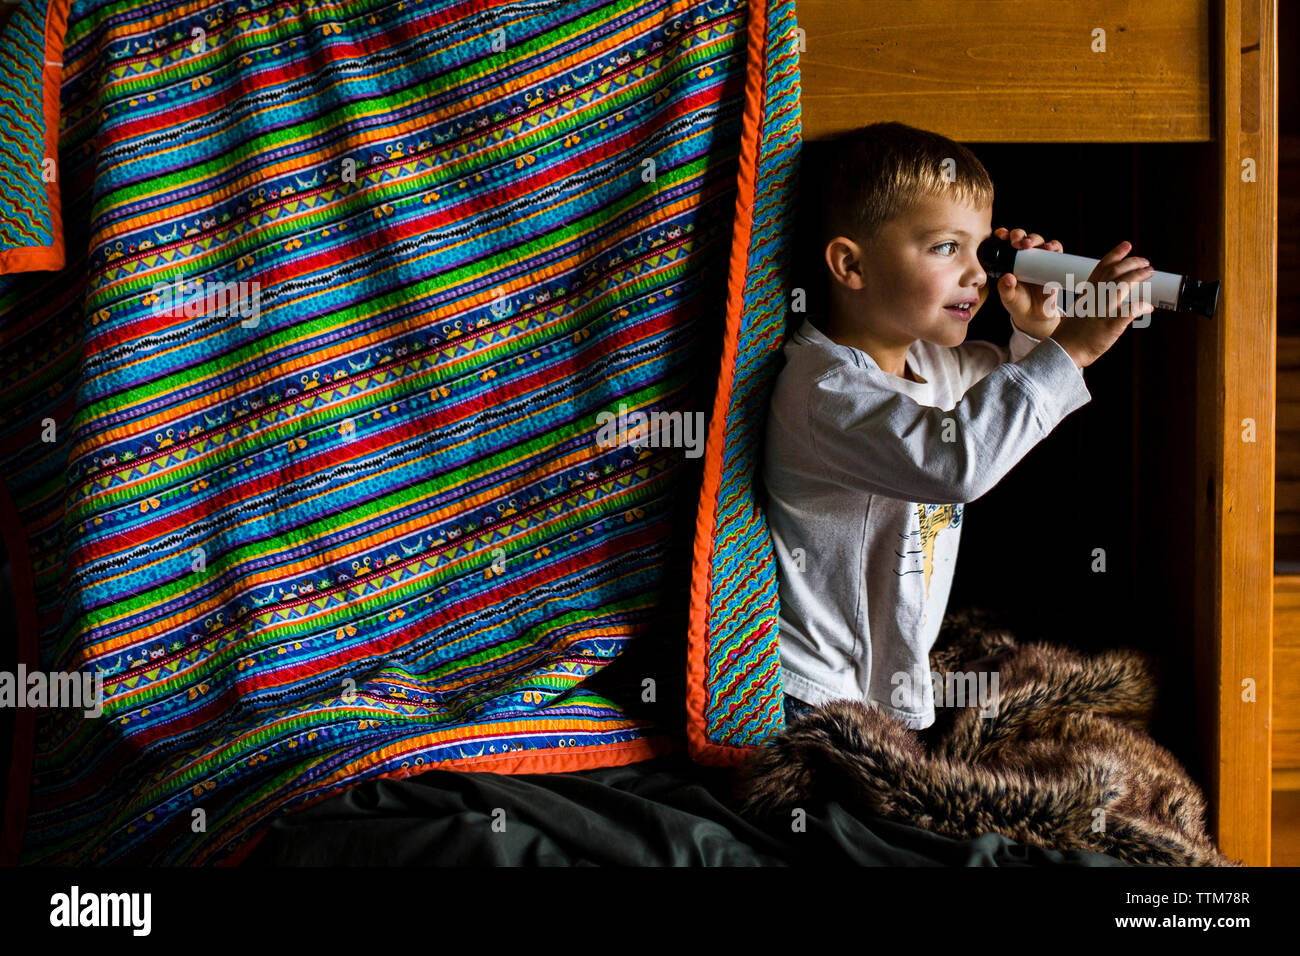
[[873, 174]]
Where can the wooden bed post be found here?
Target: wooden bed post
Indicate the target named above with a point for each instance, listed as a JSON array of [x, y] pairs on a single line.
[[1236, 402]]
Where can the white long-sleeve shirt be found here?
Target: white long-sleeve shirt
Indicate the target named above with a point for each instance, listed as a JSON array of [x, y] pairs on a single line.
[[866, 476]]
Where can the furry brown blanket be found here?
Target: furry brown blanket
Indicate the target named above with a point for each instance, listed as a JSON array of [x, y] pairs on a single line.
[[1065, 762]]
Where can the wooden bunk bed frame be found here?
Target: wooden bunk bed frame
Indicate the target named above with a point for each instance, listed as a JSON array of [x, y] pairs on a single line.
[[1173, 71]]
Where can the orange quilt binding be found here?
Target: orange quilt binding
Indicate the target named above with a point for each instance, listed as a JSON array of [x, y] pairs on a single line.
[[700, 747]]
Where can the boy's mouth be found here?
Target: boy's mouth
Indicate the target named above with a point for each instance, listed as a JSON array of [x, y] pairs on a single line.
[[963, 309]]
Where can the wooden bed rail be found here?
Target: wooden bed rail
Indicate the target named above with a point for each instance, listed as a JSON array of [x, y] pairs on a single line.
[[1010, 70]]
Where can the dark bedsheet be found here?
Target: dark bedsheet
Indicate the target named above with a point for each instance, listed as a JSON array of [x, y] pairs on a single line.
[[664, 812]]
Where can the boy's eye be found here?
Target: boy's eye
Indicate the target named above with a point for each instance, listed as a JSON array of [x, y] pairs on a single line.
[[942, 244]]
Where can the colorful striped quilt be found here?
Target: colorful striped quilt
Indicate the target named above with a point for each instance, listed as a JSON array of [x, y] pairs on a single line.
[[321, 455]]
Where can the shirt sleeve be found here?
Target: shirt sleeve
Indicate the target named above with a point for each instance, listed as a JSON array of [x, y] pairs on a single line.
[[876, 440], [977, 358]]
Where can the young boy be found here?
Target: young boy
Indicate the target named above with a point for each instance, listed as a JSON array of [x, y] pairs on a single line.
[[885, 421]]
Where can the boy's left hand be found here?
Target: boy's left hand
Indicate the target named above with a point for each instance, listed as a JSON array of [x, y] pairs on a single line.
[[1033, 311]]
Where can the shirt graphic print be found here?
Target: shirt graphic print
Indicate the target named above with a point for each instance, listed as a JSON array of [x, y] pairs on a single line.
[[933, 519]]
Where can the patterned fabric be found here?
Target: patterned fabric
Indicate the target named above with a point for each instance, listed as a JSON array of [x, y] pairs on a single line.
[[733, 666], [303, 445], [31, 44]]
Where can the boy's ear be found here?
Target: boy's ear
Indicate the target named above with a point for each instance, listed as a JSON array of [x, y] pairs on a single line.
[[844, 259]]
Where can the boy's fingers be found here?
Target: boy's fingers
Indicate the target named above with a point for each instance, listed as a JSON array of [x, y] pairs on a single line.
[[1131, 310], [1113, 265], [1136, 286], [1130, 269], [1128, 285], [1026, 239], [1050, 308], [1126, 305], [1012, 293], [1116, 254]]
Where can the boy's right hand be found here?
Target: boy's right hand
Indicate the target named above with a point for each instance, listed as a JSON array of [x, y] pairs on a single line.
[[1086, 338]]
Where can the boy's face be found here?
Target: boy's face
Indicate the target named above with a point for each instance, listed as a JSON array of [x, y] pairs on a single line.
[[920, 265]]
